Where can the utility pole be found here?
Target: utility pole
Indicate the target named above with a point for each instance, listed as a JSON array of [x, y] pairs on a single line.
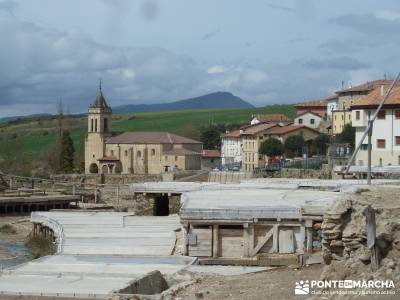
[[369, 152]]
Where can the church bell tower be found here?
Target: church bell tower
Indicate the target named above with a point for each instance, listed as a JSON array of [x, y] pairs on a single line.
[[99, 129]]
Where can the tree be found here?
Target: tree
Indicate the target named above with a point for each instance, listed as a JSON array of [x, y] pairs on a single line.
[[67, 152], [320, 144], [348, 135], [294, 145], [211, 138], [271, 147]]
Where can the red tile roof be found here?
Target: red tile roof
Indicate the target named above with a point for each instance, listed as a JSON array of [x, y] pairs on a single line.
[[234, 134], [287, 129], [272, 118], [257, 128], [313, 103], [149, 137], [375, 97], [211, 153], [367, 86], [180, 152]]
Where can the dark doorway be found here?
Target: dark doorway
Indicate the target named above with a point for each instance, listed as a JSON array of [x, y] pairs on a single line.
[[161, 206]]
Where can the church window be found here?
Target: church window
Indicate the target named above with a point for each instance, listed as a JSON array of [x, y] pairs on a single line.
[[126, 152], [139, 154], [112, 152], [95, 125], [153, 152], [105, 125], [91, 125]]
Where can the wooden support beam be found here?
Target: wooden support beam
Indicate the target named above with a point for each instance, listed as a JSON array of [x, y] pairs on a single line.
[[275, 238], [215, 242], [302, 239], [309, 239], [185, 242], [248, 239], [262, 242]]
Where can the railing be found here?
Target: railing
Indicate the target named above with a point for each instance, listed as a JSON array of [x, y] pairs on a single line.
[[314, 163]]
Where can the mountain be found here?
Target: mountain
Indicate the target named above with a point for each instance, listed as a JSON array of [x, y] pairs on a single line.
[[24, 118], [213, 100]]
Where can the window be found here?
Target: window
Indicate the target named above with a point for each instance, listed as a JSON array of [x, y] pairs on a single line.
[[139, 154], [105, 125], [380, 162], [364, 147], [382, 115], [176, 158], [91, 125], [335, 117], [349, 116], [95, 125], [312, 121], [342, 117], [300, 121], [397, 113], [153, 152], [397, 140], [112, 152], [357, 115], [381, 143], [126, 152]]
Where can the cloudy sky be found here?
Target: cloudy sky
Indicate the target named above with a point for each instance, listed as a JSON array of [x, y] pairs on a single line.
[[146, 51]]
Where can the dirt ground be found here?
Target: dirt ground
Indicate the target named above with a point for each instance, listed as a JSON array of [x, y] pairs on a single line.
[[274, 284]]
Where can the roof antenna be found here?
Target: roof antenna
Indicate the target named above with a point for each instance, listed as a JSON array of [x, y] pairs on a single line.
[[100, 84]]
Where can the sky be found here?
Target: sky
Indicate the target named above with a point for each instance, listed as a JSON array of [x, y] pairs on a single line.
[[152, 51]]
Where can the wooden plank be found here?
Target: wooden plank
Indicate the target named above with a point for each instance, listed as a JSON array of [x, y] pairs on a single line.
[[371, 236], [309, 239], [275, 239], [215, 245], [261, 243]]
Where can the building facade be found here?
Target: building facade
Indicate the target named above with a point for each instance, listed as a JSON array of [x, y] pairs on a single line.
[[318, 107], [308, 119], [231, 148], [134, 152], [386, 128]]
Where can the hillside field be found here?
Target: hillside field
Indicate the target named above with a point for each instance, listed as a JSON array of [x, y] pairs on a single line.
[[29, 138]]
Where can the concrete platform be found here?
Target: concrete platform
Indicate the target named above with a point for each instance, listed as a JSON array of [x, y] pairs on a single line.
[[99, 253]]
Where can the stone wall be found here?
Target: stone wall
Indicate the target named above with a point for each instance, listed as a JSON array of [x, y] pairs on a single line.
[[108, 179]]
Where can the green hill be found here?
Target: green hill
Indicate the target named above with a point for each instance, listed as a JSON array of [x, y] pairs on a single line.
[[30, 139]]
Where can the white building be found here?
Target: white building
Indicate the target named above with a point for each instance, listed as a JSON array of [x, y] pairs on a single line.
[[231, 147], [279, 119], [386, 129], [331, 106], [308, 119]]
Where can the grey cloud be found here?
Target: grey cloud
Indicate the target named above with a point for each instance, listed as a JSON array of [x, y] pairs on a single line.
[[211, 34], [9, 6], [344, 63], [281, 7], [368, 24]]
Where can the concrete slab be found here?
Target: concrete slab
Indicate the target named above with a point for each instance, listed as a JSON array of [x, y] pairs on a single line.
[[226, 270]]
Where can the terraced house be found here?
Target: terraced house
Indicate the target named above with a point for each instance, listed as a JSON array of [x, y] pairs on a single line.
[[134, 152]]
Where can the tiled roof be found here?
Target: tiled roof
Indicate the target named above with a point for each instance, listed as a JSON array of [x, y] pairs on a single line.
[[313, 103], [368, 86], [272, 118], [257, 128], [308, 112], [211, 153], [149, 137], [287, 129], [234, 134], [375, 97], [180, 152]]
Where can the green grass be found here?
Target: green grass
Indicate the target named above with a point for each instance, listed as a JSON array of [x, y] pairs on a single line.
[[31, 140], [7, 229]]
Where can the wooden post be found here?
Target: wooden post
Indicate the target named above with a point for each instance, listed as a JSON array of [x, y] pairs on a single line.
[[309, 237], [215, 236], [117, 195], [185, 240], [95, 194], [73, 190], [371, 236], [248, 239], [275, 239]]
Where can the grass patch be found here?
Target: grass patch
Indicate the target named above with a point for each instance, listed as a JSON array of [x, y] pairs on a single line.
[[40, 246], [360, 191], [7, 229]]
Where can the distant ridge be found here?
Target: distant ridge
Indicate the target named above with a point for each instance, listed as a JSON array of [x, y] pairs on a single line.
[[213, 100]]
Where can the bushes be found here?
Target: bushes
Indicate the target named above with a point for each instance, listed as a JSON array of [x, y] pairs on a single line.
[[7, 229]]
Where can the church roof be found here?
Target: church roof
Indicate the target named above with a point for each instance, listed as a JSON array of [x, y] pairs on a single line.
[[149, 137], [100, 101]]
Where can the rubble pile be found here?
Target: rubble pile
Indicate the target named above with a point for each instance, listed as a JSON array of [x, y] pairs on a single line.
[[345, 249]]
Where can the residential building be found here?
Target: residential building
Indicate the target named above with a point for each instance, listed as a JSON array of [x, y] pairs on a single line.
[[210, 159], [282, 133], [386, 128], [347, 97], [252, 137], [332, 104], [280, 119], [134, 152], [308, 119], [231, 148], [318, 107]]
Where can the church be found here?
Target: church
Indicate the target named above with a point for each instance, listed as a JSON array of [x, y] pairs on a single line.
[[136, 152]]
